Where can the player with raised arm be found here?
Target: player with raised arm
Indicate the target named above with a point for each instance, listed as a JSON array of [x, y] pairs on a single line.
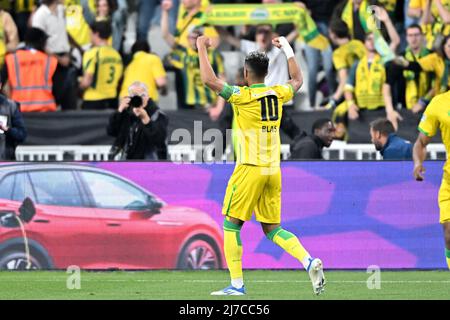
[[436, 117], [256, 181]]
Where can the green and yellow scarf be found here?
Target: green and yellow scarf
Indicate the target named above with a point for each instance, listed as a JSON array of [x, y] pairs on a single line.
[[369, 83], [254, 14], [369, 24], [415, 88]]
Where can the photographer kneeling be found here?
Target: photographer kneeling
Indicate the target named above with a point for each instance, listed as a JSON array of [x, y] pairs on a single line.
[[139, 127]]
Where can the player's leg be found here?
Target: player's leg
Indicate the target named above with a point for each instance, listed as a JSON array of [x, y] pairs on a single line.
[[233, 250], [268, 213], [288, 242], [232, 247], [240, 199]]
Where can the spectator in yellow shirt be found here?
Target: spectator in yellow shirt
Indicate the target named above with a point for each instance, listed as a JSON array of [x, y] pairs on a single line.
[[348, 51], [184, 59], [102, 70], [435, 18], [438, 63], [192, 16], [146, 68], [366, 89]]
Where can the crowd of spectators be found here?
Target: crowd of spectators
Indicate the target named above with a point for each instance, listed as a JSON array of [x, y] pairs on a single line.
[[69, 55]]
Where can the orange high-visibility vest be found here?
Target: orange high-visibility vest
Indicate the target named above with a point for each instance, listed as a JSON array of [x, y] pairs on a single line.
[[30, 74]]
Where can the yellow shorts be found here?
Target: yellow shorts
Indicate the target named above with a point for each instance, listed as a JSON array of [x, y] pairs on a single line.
[[444, 201], [257, 189]]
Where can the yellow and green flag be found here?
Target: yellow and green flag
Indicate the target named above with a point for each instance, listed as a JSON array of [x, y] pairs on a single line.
[[254, 14]]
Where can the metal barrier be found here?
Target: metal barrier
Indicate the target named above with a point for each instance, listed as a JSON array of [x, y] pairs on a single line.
[[186, 153]]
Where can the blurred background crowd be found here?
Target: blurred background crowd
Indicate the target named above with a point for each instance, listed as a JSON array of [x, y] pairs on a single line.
[[362, 60]]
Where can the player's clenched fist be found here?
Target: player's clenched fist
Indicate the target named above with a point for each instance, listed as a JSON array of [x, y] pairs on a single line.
[[419, 170], [203, 41]]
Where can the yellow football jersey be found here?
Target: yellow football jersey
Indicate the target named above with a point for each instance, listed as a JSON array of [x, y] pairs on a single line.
[[435, 64], [257, 113], [438, 27], [437, 116], [347, 54], [146, 68], [77, 26], [105, 64]]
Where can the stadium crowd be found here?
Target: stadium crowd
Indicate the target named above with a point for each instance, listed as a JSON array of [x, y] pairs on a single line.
[[59, 55]]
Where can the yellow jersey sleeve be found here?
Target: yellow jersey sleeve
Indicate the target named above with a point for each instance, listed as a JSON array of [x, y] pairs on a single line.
[[339, 59], [285, 92], [90, 61], [232, 94], [429, 62], [157, 67], [430, 123]]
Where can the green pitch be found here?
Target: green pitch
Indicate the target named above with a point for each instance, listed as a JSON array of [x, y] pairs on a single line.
[[261, 285]]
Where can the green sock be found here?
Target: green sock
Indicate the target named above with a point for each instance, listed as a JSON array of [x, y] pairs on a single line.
[[290, 243]]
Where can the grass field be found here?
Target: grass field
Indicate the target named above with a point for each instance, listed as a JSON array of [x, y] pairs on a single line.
[[196, 285]]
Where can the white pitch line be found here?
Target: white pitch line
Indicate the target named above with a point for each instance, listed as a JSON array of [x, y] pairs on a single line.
[[224, 281]]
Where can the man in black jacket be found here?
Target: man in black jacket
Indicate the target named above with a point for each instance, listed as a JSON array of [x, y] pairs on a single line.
[[12, 128], [311, 146], [139, 126]]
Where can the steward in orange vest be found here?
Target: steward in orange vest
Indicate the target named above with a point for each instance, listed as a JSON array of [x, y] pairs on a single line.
[[30, 72]]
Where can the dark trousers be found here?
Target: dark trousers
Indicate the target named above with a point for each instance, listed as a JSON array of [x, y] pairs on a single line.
[[65, 87]]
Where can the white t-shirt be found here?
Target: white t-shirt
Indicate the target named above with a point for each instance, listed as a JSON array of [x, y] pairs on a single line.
[[278, 65], [55, 27]]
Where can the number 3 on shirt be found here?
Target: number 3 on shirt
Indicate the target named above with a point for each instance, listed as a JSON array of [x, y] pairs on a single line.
[[112, 73], [269, 103]]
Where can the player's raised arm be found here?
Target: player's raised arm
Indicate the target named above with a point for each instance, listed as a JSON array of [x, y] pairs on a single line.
[[209, 78], [419, 155], [294, 70]]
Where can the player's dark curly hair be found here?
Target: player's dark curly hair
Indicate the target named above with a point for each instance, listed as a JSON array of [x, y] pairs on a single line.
[[258, 63]]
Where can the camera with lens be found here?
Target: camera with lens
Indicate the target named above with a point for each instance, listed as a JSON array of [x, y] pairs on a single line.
[[136, 102]]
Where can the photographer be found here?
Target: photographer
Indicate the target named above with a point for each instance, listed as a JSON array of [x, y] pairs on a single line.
[[12, 128], [139, 127]]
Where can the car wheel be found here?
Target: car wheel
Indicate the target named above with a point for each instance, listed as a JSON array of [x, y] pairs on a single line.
[[199, 254], [16, 260]]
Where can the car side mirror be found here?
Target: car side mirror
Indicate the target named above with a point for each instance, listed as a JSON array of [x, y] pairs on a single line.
[[154, 205]]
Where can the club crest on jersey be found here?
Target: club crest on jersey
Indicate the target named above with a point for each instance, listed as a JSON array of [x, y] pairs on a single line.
[[236, 90]]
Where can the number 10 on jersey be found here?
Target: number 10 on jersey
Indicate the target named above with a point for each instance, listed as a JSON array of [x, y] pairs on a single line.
[[269, 108]]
